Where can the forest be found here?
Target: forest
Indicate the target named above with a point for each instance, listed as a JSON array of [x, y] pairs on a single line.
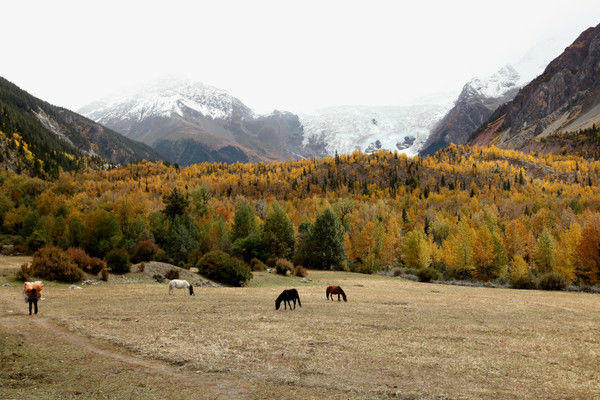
[[466, 213]]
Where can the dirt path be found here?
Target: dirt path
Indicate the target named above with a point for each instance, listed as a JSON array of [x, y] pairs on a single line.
[[45, 337]]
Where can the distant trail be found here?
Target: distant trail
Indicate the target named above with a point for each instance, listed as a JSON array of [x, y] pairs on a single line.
[[209, 386]]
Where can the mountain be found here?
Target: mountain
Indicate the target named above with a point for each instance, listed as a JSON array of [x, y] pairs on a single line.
[[191, 122], [563, 100], [478, 99], [348, 128], [42, 138]]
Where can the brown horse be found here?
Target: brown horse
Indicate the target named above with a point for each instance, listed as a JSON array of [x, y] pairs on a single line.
[[331, 290]]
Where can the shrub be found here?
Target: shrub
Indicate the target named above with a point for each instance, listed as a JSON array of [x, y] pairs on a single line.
[[522, 282], [257, 265], [145, 250], [172, 274], [86, 263], [79, 257], [551, 281], [428, 274], [397, 272], [117, 261], [24, 273], [96, 265], [158, 278], [141, 267], [221, 267], [104, 274], [53, 264], [284, 267], [300, 271]]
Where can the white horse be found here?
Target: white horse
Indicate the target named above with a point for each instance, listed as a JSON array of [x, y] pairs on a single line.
[[181, 284]]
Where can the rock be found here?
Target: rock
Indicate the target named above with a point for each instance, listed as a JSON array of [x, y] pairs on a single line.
[[75, 287], [6, 285], [304, 280], [89, 282]]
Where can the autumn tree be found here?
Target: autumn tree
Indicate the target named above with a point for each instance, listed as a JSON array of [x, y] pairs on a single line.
[[416, 251], [278, 232]]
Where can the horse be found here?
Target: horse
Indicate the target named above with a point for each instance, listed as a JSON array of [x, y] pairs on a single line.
[[287, 296], [181, 284], [331, 290]]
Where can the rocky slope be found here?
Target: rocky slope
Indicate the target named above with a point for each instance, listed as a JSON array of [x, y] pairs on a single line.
[[192, 122], [47, 137], [478, 99], [564, 98]]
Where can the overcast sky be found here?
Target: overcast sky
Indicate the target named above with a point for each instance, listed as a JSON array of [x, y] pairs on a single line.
[[292, 55]]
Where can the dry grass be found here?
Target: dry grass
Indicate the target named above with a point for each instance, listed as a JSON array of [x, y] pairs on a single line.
[[392, 338]]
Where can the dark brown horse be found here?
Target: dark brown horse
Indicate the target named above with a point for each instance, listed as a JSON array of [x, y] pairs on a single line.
[[287, 296], [331, 290]]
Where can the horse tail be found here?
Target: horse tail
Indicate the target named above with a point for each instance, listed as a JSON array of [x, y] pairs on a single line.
[[327, 292], [298, 297], [191, 288]]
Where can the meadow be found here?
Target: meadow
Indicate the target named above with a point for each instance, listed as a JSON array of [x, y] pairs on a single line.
[[394, 338]]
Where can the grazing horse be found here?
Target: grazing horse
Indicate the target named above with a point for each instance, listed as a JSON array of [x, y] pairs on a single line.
[[331, 290], [287, 296], [181, 284]]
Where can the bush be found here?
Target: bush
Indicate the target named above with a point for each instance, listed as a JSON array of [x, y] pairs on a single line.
[[223, 268], [397, 272], [117, 261], [522, 282], [284, 267], [86, 263], [145, 250], [257, 265], [96, 265], [300, 271], [24, 273], [104, 274], [551, 281], [172, 274], [428, 274], [53, 264], [141, 267], [158, 278]]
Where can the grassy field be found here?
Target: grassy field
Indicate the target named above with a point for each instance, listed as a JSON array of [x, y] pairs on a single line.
[[393, 338]]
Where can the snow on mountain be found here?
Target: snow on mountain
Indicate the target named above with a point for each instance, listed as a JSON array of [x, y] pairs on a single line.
[[348, 128], [165, 98], [495, 85]]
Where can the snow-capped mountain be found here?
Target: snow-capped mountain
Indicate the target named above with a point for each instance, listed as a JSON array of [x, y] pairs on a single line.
[[496, 85], [479, 98], [165, 98], [349, 128], [191, 122]]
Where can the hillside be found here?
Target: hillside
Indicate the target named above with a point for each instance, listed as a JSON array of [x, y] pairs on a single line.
[[42, 138], [563, 100], [478, 99]]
